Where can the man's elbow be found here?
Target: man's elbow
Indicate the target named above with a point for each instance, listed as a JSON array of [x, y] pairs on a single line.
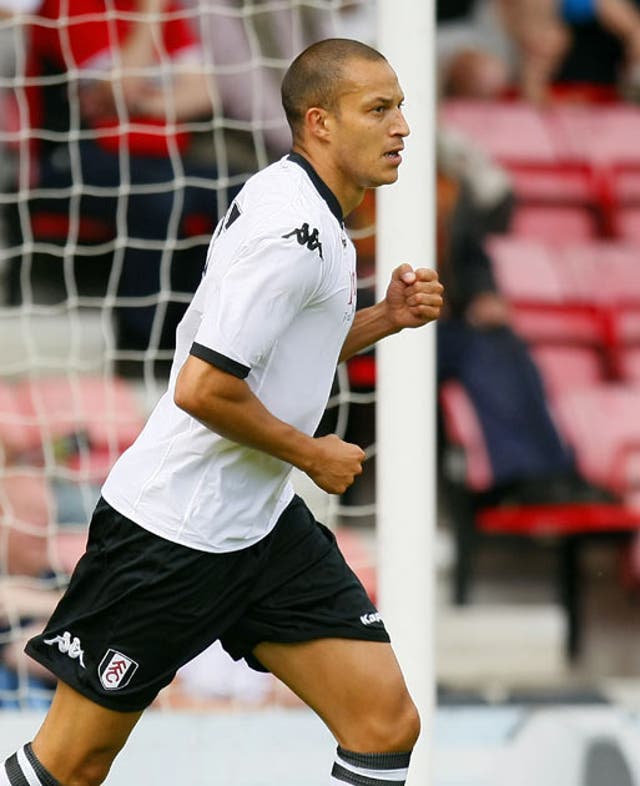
[[183, 399], [185, 395]]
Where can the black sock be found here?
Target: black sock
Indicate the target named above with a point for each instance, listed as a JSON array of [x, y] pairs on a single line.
[[370, 769], [24, 769]]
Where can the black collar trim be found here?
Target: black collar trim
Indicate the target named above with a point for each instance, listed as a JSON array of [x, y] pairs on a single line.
[[323, 189]]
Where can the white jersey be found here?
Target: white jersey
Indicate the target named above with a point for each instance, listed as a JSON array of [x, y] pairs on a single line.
[[274, 307]]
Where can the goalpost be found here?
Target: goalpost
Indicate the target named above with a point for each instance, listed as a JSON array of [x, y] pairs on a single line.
[[405, 423], [65, 415]]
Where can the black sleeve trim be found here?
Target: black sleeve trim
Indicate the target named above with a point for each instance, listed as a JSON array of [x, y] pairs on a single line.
[[219, 361]]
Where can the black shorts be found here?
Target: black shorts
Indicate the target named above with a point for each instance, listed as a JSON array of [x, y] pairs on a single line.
[[138, 607]]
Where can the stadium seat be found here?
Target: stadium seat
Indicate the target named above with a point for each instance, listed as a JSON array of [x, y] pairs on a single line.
[[601, 136], [547, 305], [362, 371], [567, 525], [602, 424], [580, 293], [88, 420], [524, 141], [28, 544], [555, 223], [627, 223], [509, 132], [554, 183], [630, 364], [568, 367]]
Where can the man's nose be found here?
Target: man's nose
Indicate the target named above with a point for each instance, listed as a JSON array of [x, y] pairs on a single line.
[[400, 126]]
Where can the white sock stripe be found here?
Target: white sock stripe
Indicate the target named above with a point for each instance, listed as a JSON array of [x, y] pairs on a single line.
[[399, 775], [27, 769]]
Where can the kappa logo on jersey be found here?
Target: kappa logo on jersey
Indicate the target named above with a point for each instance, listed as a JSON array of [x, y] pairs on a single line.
[[371, 618], [68, 646], [115, 670], [309, 239]]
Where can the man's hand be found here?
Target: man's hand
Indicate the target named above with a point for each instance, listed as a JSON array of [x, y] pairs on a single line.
[[414, 297], [335, 464]]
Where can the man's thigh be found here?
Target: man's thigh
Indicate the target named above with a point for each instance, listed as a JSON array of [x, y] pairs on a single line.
[[342, 680]]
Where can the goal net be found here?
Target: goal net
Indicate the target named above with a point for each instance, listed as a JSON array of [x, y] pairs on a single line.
[[115, 164]]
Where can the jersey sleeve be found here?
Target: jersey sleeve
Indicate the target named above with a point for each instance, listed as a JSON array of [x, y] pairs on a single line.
[[254, 300]]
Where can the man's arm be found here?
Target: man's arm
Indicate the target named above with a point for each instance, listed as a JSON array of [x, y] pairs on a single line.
[[225, 404], [413, 298]]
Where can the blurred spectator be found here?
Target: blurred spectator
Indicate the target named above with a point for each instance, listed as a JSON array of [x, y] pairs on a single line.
[[478, 348], [12, 16], [472, 30], [128, 81], [474, 73], [535, 43], [595, 41], [10, 7], [249, 55], [605, 44], [541, 39], [487, 184]]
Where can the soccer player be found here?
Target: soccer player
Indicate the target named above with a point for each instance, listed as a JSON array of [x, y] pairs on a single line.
[[198, 535]]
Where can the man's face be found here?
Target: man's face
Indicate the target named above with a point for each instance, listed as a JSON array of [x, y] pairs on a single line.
[[368, 124]]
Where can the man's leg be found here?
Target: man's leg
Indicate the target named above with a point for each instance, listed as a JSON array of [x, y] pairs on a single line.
[[358, 690], [75, 745]]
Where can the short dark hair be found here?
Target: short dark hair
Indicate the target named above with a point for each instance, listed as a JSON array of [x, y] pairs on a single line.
[[314, 77]]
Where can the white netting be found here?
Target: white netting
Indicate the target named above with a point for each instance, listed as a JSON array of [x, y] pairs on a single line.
[[104, 230]]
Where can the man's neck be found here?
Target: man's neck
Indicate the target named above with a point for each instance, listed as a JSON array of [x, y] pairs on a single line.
[[348, 195]]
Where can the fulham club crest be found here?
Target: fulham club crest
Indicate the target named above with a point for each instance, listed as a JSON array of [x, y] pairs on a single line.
[[115, 670]]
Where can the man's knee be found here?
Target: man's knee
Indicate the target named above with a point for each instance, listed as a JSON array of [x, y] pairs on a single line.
[[90, 769], [401, 728], [93, 769], [391, 724]]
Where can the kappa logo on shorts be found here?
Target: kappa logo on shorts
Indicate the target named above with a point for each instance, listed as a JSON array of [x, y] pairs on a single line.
[[371, 618], [68, 646], [115, 670]]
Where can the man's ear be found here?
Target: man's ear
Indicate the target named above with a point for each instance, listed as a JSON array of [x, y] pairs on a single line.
[[318, 122]]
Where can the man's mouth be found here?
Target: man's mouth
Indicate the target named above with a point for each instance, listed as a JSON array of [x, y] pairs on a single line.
[[393, 156]]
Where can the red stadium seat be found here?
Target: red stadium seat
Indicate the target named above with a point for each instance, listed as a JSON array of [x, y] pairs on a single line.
[[568, 525], [601, 422], [464, 430], [584, 293], [509, 132], [101, 416], [630, 364], [89, 421], [555, 223], [601, 136], [525, 141], [569, 155], [627, 223], [554, 183], [28, 546], [548, 307], [568, 367]]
